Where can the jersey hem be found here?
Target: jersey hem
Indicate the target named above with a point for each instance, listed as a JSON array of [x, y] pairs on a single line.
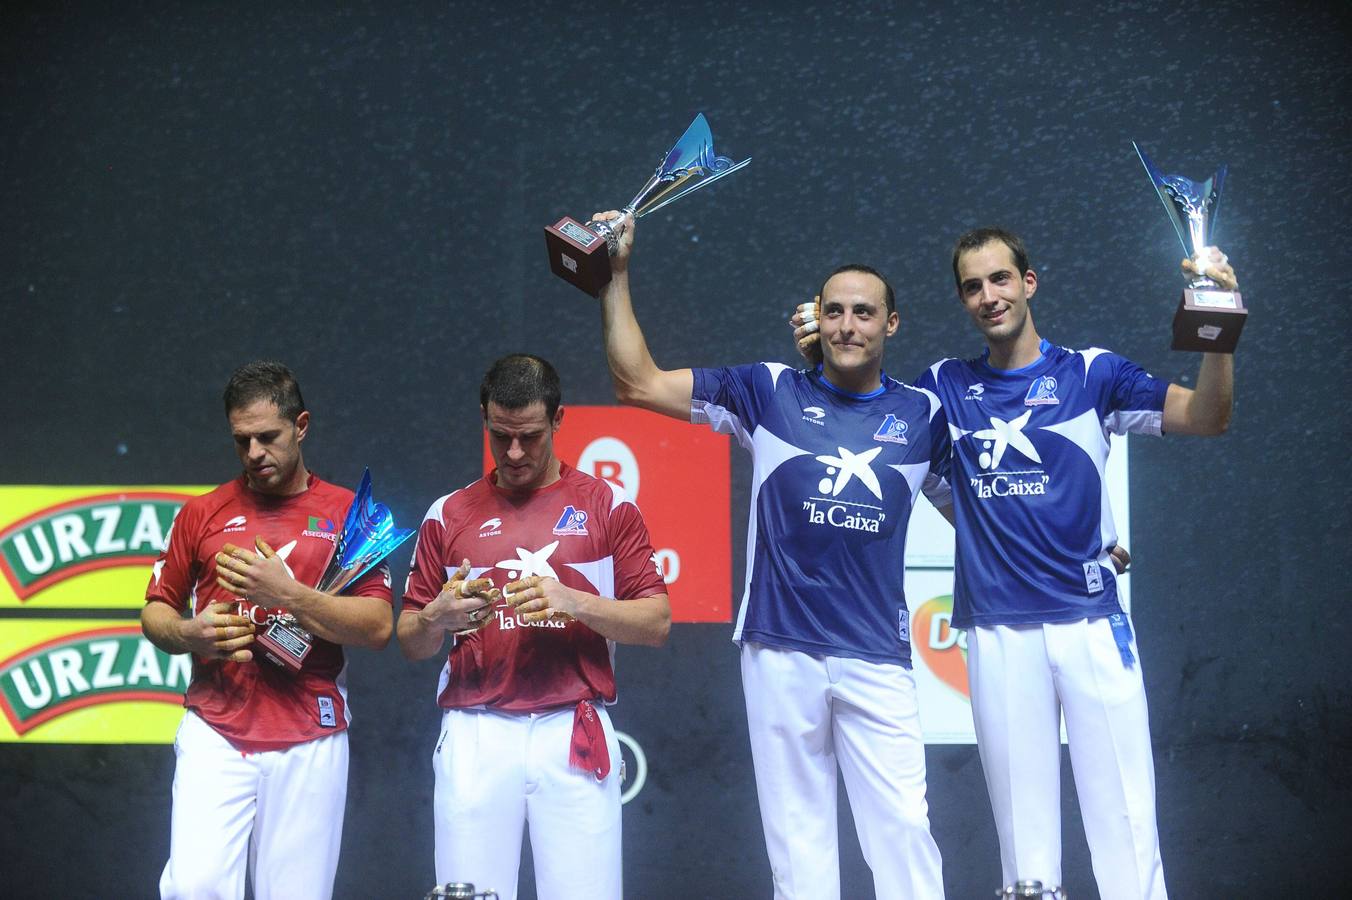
[[247, 746], [902, 658], [1037, 617]]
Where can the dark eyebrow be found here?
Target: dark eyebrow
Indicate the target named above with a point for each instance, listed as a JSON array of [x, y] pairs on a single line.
[[261, 435]]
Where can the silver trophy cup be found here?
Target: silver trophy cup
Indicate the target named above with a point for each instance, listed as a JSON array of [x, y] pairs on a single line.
[[1209, 318]]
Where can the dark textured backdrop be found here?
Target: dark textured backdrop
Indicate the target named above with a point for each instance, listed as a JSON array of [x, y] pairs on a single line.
[[360, 191]]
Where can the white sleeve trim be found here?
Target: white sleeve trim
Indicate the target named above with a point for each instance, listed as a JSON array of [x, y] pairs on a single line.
[[435, 511]]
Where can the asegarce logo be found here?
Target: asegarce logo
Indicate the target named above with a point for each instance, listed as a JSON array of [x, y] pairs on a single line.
[[942, 648]]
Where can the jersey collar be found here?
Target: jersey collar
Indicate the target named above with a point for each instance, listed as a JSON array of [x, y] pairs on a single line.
[[1043, 347], [882, 386]]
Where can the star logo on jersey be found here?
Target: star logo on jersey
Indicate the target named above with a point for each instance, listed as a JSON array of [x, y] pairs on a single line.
[[572, 521], [235, 524], [975, 392], [893, 430], [1000, 437], [848, 466], [283, 553], [530, 563], [490, 527], [814, 415], [1042, 392]]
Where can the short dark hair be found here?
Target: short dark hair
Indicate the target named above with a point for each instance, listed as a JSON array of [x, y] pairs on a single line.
[[519, 379], [264, 380], [980, 237], [888, 294]]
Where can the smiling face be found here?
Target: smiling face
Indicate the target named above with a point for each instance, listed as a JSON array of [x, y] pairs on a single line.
[[854, 325], [995, 294], [522, 444], [268, 446]]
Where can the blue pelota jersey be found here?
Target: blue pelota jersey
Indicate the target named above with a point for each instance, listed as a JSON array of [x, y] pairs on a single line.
[[1029, 447], [834, 478]]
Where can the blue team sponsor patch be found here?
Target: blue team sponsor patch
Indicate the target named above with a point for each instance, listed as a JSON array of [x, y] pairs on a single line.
[[1041, 392], [893, 430], [1093, 577], [573, 521]]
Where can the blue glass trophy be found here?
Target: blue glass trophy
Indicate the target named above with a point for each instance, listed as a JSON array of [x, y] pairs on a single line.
[[1209, 318], [580, 254], [368, 536]]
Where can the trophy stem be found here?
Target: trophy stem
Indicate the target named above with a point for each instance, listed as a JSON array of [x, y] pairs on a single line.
[[613, 229]]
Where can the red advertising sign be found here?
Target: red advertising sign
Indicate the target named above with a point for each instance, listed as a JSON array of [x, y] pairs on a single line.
[[678, 474]]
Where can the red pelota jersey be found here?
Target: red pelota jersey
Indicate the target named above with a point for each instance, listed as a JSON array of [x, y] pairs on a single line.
[[258, 705], [579, 530]]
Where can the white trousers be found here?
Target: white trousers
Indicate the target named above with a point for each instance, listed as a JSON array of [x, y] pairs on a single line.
[[283, 807], [807, 715], [497, 773], [1022, 679]]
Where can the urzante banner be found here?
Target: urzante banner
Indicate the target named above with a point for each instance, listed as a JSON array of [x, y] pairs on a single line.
[[83, 547], [87, 682], [678, 474]]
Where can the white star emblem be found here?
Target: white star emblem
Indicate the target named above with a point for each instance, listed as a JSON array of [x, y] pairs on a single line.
[[530, 563], [1006, 435], [283, 553], [850, 465]]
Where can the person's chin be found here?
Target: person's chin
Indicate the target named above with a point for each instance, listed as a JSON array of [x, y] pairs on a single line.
[[847, 358]]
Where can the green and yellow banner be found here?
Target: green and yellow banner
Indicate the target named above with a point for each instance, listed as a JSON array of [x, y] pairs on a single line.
[[84, 680]]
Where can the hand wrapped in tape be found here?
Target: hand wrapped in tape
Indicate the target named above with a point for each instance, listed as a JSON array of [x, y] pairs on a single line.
[[538, 598], [1211, 263], [806, 324]]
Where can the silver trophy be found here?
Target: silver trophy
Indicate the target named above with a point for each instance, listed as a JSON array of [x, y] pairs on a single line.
[[1030, 889], [580, 254], [368, 536], [459, 890], [1209, 318]]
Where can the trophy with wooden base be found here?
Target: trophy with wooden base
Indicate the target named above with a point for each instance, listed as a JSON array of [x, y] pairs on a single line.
[[1209, 318], [580, 253], [368, 536]]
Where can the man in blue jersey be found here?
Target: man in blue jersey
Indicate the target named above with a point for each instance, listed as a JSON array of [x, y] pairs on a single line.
[[1034, 583], [840, 454]]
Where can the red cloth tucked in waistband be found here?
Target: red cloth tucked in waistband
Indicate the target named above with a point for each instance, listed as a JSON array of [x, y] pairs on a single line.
[[588, 751]]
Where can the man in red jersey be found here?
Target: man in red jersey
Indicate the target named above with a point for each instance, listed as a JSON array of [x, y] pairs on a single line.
[[535, 571], [262, 751]]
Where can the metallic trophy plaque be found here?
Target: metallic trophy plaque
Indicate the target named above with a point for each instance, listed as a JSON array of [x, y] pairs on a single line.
[[368, 536], [580, 253], [1209, 318]]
